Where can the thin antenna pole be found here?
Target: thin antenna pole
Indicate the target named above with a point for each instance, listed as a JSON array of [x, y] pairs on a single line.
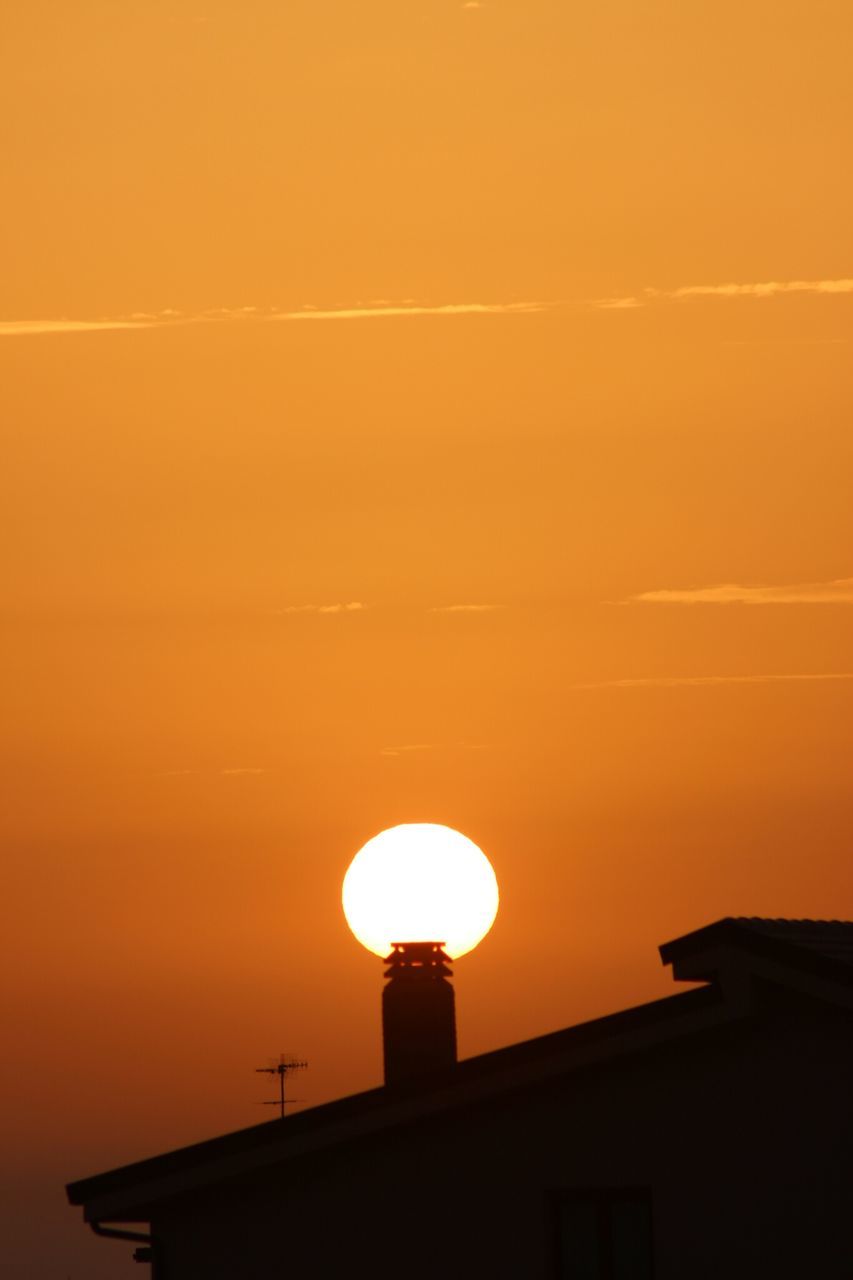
[[282, 1068]]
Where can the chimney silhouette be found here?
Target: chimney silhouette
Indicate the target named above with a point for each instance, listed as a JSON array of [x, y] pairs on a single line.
[[418, 1011]]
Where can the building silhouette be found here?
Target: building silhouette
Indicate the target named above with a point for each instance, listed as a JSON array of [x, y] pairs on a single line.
[[704, 1136]]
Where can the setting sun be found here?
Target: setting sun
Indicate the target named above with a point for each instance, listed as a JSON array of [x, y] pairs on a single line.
[[412, 413], [420, 882]]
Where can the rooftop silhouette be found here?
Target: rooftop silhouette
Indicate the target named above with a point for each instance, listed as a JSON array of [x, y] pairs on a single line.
[[616, 1148]]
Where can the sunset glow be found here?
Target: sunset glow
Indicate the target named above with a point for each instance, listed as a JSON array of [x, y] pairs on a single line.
[[420, 882], [409, 409]]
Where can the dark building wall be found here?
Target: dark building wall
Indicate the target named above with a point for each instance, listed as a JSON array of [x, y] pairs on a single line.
[[742, 1135]]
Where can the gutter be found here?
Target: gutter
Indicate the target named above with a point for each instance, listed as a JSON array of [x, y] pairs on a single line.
[[144, 1254]]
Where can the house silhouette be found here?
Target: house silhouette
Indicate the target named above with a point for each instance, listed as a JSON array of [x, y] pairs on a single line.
[[705, 1136]]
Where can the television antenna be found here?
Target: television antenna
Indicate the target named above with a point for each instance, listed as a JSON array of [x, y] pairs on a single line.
[[286, 1064]]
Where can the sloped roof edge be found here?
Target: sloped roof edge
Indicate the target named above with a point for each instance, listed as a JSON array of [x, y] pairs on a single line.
[[123, 1193], [823, 948], [811, 948]]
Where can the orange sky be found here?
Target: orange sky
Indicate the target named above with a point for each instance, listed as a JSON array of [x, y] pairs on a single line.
[[280, 571]]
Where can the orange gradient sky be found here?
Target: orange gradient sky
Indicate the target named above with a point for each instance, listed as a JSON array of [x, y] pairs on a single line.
[[412, 412]]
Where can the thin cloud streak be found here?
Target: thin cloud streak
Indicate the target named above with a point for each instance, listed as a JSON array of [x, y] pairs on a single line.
[[675, 682], [767, 289], [760, 289], [466, 608], [838, 591], [618, 304], [221, 315], [444, 309], [25, 328], [409, 308], [353, 606], [409, 748], [240, 771]]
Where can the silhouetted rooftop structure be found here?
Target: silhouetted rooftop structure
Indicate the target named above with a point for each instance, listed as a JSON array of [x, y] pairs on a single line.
[[831, 939], [705, 1134]]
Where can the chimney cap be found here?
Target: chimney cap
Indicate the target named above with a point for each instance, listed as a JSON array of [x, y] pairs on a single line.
[[413, 957]]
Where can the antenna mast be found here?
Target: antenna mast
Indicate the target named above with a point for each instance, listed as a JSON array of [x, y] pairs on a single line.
[[286, 1063]]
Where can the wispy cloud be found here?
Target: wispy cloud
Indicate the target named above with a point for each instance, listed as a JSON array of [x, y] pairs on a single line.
[[466, 608], [412, 747], [617, 304], [222, 773], [412, 309], [766, 289], [258, 315], [839, 591], [353, 606], [760, 289], [674, 682], [383, 308], [25, 328]]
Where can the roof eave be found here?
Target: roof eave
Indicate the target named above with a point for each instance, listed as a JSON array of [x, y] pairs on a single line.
[[132, 1194]]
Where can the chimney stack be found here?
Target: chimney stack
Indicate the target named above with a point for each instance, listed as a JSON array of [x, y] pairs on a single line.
[[418, 1011]]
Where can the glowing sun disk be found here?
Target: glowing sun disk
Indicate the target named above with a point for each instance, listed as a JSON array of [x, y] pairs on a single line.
[[420, 882]]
